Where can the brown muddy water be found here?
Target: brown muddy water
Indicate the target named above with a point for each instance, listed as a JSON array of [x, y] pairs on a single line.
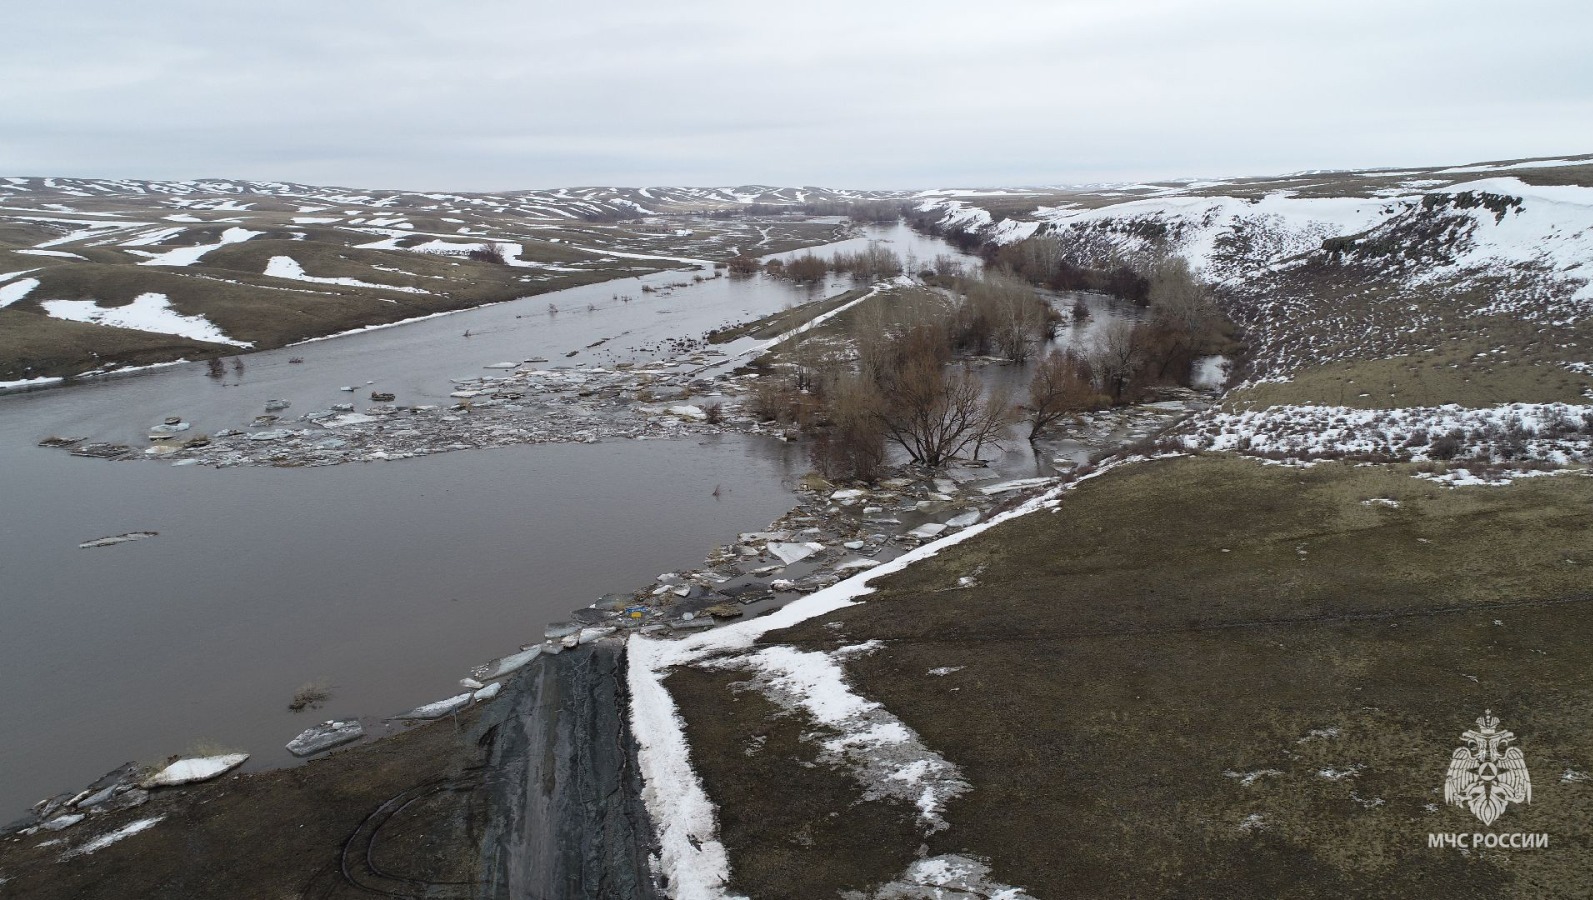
[[388, 580]]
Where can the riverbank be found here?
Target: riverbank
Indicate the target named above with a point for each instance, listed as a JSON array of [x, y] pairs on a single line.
[[829, 535], [1257, 671], [330, 572], [205, 525], [402, 812]]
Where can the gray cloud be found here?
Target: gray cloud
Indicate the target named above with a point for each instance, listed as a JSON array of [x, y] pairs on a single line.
[[490, 94]]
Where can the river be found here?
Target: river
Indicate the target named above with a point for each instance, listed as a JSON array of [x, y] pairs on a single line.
[[388, 580]]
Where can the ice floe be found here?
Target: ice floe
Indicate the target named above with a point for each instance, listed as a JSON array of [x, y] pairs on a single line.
[[199, 768]]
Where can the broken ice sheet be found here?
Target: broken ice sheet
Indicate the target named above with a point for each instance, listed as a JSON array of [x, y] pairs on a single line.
[[117, 539]]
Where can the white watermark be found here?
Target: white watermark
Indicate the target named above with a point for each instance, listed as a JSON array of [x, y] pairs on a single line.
[[1485, 777], [1480, 840]]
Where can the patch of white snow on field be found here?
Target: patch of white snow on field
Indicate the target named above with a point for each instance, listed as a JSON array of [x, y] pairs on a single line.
[[289, 268], [16, 290], [1465, 478], [109, 838], [949, 876], [27, 382], [61, 253], [689, 849], [690, 853], [147, 312], [1549, 432], [884, 754], [150, 238], [187, 256]]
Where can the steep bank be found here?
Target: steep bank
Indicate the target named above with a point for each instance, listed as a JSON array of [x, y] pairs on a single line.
[[564, 810]]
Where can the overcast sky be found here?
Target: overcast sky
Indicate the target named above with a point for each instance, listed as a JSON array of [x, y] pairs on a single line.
[[492, 94]]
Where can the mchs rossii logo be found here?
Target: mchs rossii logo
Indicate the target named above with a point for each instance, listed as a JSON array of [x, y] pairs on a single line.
[[1485, 776]]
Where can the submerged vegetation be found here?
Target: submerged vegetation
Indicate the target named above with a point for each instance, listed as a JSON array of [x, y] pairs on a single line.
[[897, 368]]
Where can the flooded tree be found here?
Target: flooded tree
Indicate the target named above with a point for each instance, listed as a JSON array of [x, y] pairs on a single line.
[[936, 413], [744, 265], [1062, 386], [1184, 320], [1003, 315], [852, 445], [1117, 357]]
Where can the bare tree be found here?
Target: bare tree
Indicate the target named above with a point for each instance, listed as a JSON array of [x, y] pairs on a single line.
[[815, 360], [935, 414], [804, 268], [1117, 357], [743, 264], [853, 446], [488, 253], [1061, 387], [1179, 299], [1001, 313], [995, 415], [948, 266], [1183, 319]]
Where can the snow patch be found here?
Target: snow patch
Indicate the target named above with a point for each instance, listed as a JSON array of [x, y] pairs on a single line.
[[187, 256], [109, 838], [1548, 432], [885, 755], [287, 267], [147, 312], [16, 290], [690, 853], [947, 877]]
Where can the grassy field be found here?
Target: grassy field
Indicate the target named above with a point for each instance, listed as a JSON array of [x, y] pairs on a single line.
[[1125, 662], [1214, 677], [408, 253], [776, 324], [1503, 361]]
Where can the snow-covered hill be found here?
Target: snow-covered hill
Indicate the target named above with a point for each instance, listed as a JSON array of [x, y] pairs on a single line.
[[262, 264], [551, 205], [1298, 257]]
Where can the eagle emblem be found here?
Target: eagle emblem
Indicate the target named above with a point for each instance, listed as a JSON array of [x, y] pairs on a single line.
[[1486, 776]]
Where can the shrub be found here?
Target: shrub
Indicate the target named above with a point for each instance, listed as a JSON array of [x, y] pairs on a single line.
[[488, 253], [853, 446], [311, 695], [805, 268], [1446, 446]]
